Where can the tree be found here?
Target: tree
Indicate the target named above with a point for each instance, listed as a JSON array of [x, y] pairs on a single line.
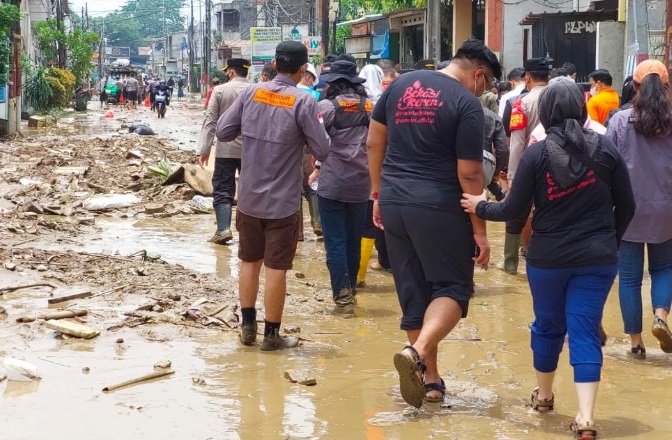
[[150, 16], [78, 43], [9, 15]]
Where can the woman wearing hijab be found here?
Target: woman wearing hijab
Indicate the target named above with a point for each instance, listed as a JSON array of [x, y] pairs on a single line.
[[583, 202], [643, 135], [344, 181], [373, 77]]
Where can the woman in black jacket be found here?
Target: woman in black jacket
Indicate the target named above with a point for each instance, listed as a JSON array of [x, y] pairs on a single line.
[[583, 200]]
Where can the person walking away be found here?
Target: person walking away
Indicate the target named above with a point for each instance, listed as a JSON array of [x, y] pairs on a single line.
[[171, 85], [603, 98], [227, 161], [132, 92], [627, 95], [268, 73], [103, 93], [516, 78], [643, 135], [524, 118], [373, 77], [583, 202], [309, 193], [269, 196], [180, 91], [420, 165], [213, 83], [344, 181], [495, 152], [153, 84], [120, 90], [324, 71], [569, 70]]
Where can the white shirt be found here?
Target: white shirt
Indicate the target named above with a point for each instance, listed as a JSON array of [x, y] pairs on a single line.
[[508, 95]]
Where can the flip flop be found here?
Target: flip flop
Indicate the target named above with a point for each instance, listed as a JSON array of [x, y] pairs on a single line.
[[440, 387], [585, 431], [408, 363]]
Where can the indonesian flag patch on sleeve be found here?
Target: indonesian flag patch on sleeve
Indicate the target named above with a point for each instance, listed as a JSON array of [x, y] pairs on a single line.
[[319, 118]]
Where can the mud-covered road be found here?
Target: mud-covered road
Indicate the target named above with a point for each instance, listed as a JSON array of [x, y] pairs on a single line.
[[145, 269]]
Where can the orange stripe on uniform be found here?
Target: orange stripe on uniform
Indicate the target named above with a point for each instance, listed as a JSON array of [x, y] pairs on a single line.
[[275, 99], [352, 106]]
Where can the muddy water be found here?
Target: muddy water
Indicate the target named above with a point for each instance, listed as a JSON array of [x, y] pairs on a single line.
[[486, 362]]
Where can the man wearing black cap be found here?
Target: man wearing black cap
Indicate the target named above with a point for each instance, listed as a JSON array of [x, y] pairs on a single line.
[[426, 150], [425, 65], [227, 160], [276, 120], [524, 118]]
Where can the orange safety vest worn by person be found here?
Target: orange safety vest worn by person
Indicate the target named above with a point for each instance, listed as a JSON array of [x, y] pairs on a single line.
[[604, 98]]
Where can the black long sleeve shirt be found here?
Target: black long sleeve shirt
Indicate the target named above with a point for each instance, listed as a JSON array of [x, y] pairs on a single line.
[[577, 226]]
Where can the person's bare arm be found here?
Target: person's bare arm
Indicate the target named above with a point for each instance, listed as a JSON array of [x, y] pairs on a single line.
[[471, 177], [377, 145]]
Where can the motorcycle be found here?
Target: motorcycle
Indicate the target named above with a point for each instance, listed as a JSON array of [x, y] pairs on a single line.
[[160, 101]]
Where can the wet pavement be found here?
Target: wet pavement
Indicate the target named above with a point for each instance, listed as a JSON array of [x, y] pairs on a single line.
[[486, 363]]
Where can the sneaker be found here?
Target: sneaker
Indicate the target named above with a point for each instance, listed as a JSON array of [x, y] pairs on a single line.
[[638, 353], [277, 342], [248, 333], [663, 334], [221, 237], [341, 309]]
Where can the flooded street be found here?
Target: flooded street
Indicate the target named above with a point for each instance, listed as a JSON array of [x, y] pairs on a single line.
[[486, 362]]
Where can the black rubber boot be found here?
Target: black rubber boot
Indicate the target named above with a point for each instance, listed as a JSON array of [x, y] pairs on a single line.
[[223, 215], [314, 215], [511, 245]]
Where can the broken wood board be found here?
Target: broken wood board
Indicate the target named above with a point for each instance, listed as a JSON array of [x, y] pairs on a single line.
[[73, 329], [71, 171]]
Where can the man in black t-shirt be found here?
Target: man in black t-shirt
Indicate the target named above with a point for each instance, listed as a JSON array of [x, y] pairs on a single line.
[[425, 150]]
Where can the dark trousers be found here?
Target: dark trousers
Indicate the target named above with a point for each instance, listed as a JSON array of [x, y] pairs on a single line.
[[342, 225], [224, 180]]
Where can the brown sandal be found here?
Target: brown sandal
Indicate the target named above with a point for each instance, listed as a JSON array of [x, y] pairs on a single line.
[[541, 405], [408, 364], [585, 431]]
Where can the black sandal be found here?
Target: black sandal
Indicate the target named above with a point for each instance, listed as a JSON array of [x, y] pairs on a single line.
[[408, 363], [440, 387]]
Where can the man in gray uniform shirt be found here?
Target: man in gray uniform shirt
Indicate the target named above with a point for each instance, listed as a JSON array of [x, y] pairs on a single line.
[[277, 120], [228, 153]]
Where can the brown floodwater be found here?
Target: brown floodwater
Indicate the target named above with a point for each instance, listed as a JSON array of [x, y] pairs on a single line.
[[486, 363]]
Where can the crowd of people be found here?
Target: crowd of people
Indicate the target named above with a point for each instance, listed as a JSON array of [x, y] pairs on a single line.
[[131, 90], [405, 163]]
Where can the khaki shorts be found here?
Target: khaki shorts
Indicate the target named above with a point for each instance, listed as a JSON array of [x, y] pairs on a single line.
[[271, 240]]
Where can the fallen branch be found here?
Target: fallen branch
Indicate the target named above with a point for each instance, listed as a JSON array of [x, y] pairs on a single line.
[[62, 314], [110, 291], [139, 380], [61, 299], [26, 286], [24, 242]]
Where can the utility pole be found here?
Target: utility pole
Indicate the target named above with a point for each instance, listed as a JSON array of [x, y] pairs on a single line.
[[433, 30], [192, 56], [207, 46], [165, 39], [60, 27], [325, 26]]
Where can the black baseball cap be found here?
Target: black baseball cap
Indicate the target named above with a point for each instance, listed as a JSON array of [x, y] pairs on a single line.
[[536, 65], [237, 62], [425, 65], [293, 53]]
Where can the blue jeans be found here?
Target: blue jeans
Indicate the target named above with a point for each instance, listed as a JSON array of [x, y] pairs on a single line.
[[342, 226], [630, 274], [569, 301]]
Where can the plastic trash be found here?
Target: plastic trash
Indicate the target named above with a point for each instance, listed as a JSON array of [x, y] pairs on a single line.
[[202, 204], [21, 371], [109, 115], [25, 181], [141, 129], [315, 184], [102, 202]]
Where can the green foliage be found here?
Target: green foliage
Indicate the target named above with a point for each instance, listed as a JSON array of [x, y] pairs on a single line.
[[81, 46], [9, 15], [48, 37], [63, 85], [216, 73], [352, 9], [341, 33], [39, 93]]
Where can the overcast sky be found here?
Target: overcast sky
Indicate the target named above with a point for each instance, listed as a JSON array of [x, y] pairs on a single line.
[[97, 7]]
